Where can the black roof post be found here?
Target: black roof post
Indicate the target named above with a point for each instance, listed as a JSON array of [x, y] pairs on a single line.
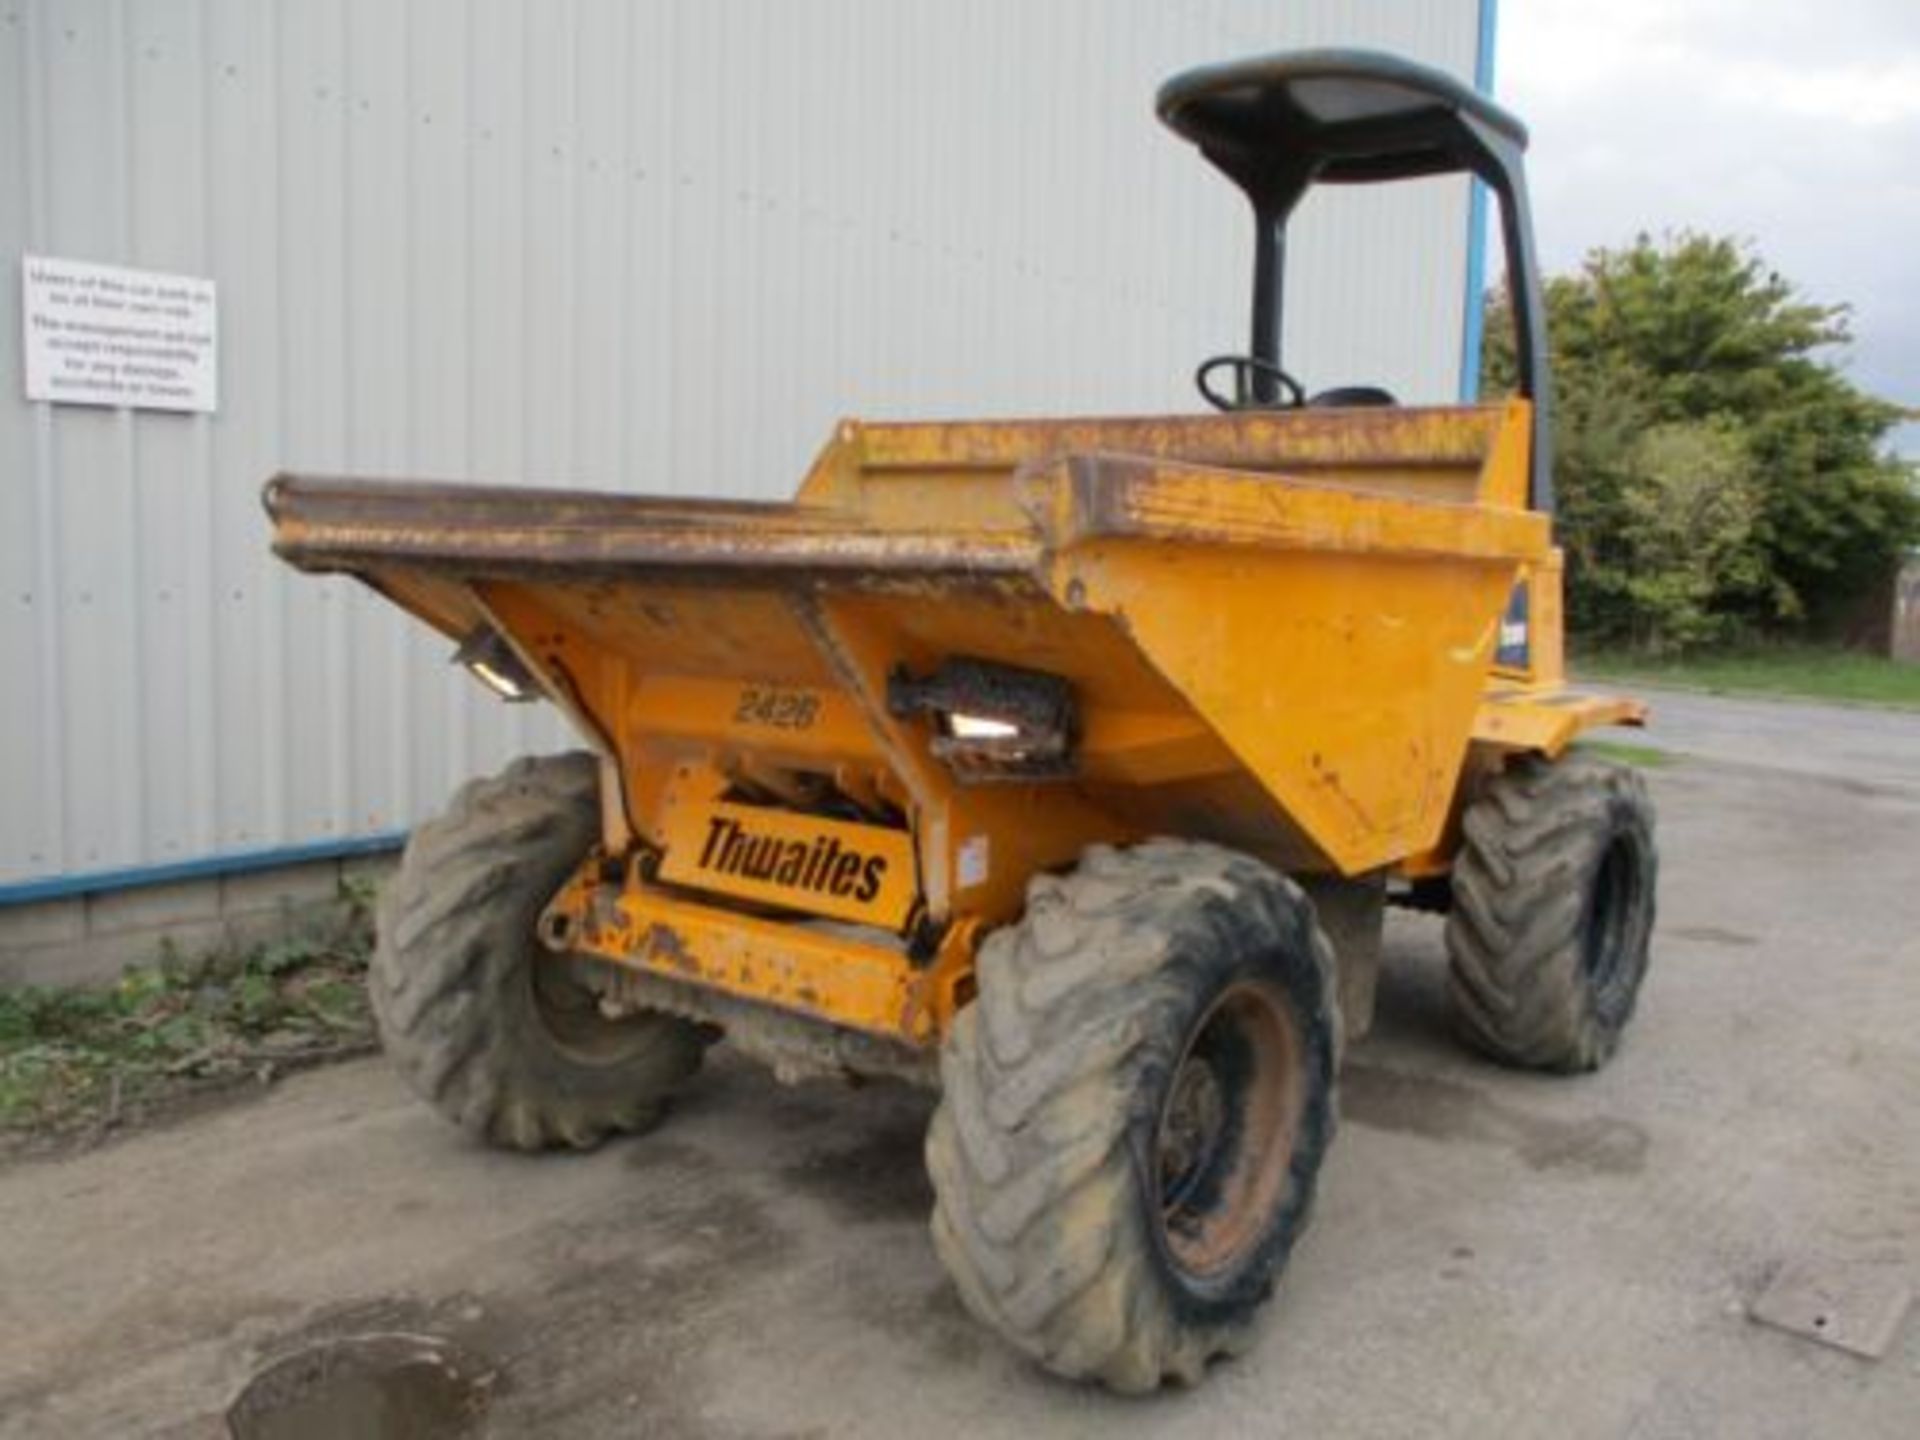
[[1277, 124]]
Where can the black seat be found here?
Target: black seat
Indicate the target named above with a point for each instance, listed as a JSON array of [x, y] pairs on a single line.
[[1342, 397]]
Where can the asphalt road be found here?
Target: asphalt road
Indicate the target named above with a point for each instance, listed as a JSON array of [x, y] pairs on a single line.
[[1494, 1254]]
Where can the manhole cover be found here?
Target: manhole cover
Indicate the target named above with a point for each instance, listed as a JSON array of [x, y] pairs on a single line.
[[372, 1387], [1851, 1306]]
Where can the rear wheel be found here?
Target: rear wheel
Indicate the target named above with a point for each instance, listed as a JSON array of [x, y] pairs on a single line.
[[1134, 1111], [498, 1034], [1553, 910]]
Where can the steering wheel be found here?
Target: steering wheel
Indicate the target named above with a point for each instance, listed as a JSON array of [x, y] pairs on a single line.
[[1245, 368]]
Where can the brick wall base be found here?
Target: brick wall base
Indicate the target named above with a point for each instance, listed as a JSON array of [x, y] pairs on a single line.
[[90, 939]]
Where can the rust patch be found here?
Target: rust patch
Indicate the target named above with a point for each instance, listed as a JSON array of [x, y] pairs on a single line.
[[603, 911], [664, 942]]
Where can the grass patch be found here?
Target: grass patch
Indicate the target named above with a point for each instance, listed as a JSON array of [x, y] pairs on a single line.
[[1799, 671], [1645, 756], [78, 1060]]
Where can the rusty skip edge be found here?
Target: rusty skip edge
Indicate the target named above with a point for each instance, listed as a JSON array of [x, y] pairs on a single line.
[[332, 524], [1100, 496], [325, 524], [1414, 436]]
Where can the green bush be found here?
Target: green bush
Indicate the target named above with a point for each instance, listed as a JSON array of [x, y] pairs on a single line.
[[1719, 478], [78, 1057]]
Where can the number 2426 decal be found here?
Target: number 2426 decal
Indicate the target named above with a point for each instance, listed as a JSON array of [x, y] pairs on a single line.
[[781, 709]]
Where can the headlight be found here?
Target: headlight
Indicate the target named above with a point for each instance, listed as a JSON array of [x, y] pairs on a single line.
[[495, 665], [992, 722]]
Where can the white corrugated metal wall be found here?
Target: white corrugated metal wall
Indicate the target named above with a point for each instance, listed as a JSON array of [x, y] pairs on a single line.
[[638, 245]]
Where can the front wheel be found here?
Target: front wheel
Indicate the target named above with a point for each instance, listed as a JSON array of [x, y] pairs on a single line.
[[497, 1034], [1134, 1111]]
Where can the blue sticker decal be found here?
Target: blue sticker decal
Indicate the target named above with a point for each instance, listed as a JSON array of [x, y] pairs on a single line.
[[1514, 649]]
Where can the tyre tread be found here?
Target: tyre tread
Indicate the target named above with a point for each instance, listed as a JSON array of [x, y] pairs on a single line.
[[454, 938], [1514, 935], [1035, 1182]]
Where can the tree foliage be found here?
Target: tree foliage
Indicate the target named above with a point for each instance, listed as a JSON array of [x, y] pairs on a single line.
[[1717, 474]]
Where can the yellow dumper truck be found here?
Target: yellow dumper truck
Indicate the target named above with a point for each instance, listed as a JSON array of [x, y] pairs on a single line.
[[1066, 766]]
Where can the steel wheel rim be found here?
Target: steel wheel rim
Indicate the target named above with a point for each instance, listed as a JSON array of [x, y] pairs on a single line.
[[569, 1012], [1224, 1141], [1613, 902]]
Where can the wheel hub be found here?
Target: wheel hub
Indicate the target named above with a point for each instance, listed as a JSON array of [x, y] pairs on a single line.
[[1225, 1138], [568, 1006], [1192, 1133], [1606, 950]]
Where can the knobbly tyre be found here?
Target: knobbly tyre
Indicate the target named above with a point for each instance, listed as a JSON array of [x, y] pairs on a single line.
[[1066, 766]]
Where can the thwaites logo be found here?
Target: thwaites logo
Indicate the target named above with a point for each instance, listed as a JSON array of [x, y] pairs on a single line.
[[822, 865]]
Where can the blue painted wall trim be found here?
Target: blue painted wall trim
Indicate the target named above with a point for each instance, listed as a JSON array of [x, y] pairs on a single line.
[[63, 887], [1472, 320]]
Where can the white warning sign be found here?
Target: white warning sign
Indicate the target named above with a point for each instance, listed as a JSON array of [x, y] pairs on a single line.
[[103, 335]]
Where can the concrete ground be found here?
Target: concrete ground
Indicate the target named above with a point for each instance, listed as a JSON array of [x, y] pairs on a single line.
[[1494, 1254]]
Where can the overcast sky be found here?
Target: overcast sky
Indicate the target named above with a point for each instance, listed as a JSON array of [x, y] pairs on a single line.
[[1792, 123]]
